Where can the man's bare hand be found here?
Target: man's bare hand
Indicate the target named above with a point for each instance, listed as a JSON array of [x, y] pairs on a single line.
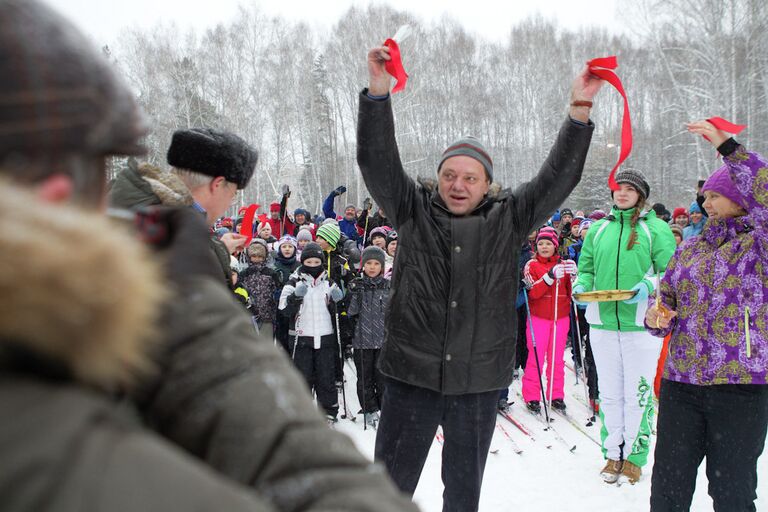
[[379, 81], [584, 88], [234, 242]]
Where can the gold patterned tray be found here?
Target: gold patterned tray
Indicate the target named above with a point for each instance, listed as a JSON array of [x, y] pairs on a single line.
[[605, 295]]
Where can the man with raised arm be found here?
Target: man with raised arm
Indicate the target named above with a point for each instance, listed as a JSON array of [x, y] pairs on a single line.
[[451, 324]]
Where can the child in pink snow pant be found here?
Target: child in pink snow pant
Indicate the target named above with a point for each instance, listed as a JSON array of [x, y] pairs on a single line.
[[543, 331]]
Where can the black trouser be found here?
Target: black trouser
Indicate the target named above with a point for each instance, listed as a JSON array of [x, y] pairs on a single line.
[[317, 366], [589, 360], [725, 423], [281, 332], [369, 385], [410, 416]]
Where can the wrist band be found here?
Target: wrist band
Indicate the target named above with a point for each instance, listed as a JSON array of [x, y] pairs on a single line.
[[581, 103]]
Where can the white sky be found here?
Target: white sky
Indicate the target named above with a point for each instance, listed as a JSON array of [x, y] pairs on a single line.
[[103, 19]]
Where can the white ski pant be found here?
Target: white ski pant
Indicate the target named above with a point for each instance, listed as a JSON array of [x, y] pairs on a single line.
[[626, 368]]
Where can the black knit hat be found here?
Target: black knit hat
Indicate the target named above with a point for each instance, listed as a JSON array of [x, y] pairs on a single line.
[[636, 179], [311, 250], [214, 153], [374, 253], [473, 148], [566, 211]]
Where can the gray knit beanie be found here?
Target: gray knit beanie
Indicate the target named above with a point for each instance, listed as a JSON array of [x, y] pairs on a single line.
[[636, 179], [473, 148], [374, 253]]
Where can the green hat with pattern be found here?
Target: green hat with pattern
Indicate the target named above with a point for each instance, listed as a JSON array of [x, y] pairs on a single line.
[[330, 233]]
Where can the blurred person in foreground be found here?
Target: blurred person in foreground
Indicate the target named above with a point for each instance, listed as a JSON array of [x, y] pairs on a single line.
[[230, 399]]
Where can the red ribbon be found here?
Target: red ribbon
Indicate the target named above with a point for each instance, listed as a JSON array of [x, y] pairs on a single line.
[[246, 227], [726, 126], [603, 68], [395, 66]]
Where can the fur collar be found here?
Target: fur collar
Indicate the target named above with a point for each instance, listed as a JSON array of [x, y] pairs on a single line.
[[166, 185], [75, 290]]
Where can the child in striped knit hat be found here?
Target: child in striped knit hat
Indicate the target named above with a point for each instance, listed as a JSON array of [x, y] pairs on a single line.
[[548, 280]]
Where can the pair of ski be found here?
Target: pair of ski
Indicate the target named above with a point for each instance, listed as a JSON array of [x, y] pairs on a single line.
[[515, 447]]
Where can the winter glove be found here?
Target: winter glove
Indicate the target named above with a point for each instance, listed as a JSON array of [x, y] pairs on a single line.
[[336, 293], [367, 204], [640, 296], [557, 272], [301, 289], [183, 237], [571, 268], [576, 290], [339, 190], [285, 191]]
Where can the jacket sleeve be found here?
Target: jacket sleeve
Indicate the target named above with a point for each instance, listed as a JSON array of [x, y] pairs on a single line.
[[668, 300], [361, 221], [233, 399], [379, 160], [534, 279], [353, 308], [664, 246], [749, 172], [535, 200], [328, 206], [586, 277]]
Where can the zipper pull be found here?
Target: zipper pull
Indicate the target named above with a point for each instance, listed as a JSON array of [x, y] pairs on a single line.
[[746, 327]]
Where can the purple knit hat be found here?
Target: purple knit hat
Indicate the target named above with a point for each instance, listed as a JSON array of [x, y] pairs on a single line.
[[721, 182]]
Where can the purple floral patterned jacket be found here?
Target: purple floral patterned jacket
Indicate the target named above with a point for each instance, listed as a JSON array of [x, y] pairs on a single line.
[[718, 284]]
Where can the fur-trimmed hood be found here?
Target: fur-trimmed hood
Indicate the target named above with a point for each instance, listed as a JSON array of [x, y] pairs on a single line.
[[145, 184], [75, 289]]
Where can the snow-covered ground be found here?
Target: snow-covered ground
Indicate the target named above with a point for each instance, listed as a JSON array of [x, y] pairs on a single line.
[[541, 478]]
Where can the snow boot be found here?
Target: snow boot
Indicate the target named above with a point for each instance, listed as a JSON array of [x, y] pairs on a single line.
[[630, 473], [331, 419], [558, 404], [371, 419], [595, 405], [534, 406], [611, 471], [503, 405]]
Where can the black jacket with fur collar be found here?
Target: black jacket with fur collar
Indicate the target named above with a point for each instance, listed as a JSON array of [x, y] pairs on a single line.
[[451, 322]]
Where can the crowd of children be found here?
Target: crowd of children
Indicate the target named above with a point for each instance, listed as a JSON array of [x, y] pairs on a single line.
[[323, 287]]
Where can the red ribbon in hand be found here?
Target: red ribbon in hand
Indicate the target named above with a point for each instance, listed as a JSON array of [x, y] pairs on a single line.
[[726, 126], [246, 227], [603, 68], [394, 66]]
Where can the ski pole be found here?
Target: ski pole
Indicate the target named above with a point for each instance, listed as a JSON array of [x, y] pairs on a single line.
[[362, 379], [582, 348], [551, 382], [536, 355], [341, 361]]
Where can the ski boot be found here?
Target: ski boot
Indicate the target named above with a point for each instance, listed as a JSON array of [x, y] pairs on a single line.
[[331, 419], [558, 404], [503, 405], [534, 406]]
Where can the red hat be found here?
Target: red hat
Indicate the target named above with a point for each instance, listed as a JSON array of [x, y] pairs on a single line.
[[576, 221], [274, 207], [677, 212]]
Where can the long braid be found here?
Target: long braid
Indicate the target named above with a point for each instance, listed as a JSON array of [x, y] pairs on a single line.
[[633, 223]]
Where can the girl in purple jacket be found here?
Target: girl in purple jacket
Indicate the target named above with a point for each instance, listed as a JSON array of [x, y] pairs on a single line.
[[714, 301]]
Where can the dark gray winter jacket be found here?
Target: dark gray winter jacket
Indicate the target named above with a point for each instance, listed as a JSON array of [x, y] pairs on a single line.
[[368, 299], [451, 322]]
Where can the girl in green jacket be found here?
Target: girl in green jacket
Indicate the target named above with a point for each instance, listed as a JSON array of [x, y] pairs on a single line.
[[627, 250]]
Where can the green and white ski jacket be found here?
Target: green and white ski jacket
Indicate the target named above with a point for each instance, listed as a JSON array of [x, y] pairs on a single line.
[[606, 264]]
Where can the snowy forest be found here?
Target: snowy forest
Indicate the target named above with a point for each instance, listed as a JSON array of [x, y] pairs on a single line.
[[293, 92]]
